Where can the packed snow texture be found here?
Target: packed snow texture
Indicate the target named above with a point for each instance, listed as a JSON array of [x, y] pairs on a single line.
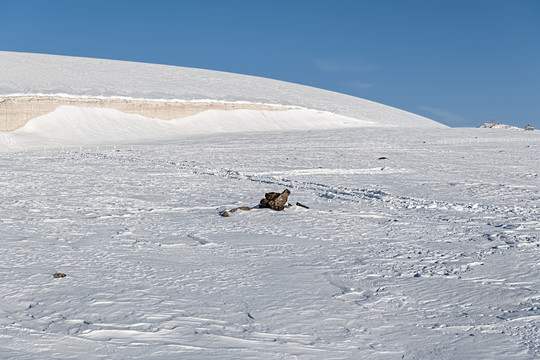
[[431, 254], [23, 73], [418, 243]]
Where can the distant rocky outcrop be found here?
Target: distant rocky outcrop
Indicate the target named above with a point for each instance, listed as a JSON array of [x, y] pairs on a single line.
[[494, 125]]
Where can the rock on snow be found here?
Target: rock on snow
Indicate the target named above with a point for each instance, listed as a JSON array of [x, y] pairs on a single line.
[[434, 255]]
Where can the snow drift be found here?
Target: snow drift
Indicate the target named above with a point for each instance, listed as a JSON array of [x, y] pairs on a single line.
[[72, 125]]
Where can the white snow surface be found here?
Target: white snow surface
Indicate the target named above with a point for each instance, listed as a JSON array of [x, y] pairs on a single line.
[[430, 253], [74, 125], [24, 73]]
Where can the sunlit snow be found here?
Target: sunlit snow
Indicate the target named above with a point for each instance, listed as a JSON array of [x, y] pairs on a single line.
[[430, 253]]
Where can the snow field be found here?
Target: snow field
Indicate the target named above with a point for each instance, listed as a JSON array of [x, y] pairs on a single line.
[[432, 253], [38, 74]]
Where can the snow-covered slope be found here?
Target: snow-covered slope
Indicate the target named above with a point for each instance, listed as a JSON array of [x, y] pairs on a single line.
[[431, 254], [37, 74], [416, 245]]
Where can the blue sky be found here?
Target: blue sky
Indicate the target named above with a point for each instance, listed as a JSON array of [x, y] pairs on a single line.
[[457, 62]]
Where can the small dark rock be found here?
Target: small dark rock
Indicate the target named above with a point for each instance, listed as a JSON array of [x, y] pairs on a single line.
[[383, 158], [244, 208], [225, 214], [59, 275], [301, 205]]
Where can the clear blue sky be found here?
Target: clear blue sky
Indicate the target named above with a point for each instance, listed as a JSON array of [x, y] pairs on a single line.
[[457, 62]]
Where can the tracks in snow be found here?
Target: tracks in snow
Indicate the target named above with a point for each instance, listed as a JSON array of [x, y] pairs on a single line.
[[349, 194]]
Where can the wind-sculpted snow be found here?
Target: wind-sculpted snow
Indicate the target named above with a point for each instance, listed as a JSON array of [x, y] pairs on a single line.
[[430, 254], [28, 74], [76, 125], [16, 111], [418, 243]]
